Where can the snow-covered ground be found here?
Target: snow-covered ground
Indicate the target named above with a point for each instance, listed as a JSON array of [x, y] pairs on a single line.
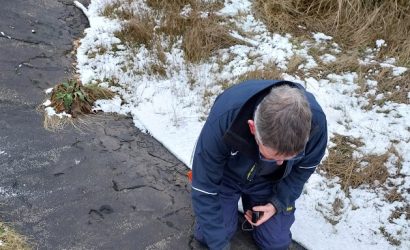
[[173, 112]]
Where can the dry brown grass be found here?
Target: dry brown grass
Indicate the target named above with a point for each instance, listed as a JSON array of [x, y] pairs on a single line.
[[205, 36], [139, 30], [207, 6], [117, 10], [394, 195], [344, 63], [173, 24], [353, 23], [293, 65], [395, 88], [11, 239], [163, 4], [110, 9], [351, 172], [158, 69], [201, 35], [269, 72], [55, 123], [397, 213]]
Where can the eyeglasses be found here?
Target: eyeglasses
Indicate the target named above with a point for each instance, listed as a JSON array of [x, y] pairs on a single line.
[[295, 158]]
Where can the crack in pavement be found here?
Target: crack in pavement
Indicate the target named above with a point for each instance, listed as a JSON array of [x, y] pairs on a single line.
[[104, 209], [3, 35], [173, 212], [118, 189], [158, 157], [27, 63]]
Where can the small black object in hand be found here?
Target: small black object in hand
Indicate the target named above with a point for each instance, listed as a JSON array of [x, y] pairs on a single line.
[[255, 216]]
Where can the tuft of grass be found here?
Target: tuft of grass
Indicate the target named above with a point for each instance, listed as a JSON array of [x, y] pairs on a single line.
[[110, 9], [75, 98], [353, 23], [393, 196], [11, 240], [139, 30], [346, 62], [269, 72], [393, 88], [396, 88], [173, 24], [293, 65], [399, 211], [118, 10], [206, 6], [100, 51], [55, 123], [158, 69], [389, 237], [205, 36], [350, 170], [163, 4]]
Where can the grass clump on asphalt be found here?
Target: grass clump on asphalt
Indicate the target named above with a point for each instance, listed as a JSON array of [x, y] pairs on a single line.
[[74, 98], [11, 240], [353, 23]]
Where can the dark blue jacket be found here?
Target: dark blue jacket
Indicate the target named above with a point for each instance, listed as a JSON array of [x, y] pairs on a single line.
[[227, 149]]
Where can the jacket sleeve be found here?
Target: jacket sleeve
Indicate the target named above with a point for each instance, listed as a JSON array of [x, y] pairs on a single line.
[[208, 164], [290, 188]]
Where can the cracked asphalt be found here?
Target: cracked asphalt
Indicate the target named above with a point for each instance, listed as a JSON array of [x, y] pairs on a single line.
[[107, 187]]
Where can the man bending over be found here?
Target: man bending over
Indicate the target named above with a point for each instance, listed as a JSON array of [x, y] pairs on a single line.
[[261, 141]]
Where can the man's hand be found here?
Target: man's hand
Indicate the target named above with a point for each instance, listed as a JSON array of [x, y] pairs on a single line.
[[268, 211]]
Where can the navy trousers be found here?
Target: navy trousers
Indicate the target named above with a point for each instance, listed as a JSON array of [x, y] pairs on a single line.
[[274, 234]]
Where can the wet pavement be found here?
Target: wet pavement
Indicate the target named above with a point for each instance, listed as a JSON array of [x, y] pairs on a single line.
[[109, 186]]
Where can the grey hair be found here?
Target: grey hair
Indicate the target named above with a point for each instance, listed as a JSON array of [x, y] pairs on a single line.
[[283, 120]]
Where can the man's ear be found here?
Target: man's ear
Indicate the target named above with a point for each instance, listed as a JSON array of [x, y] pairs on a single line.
[[252, 128]]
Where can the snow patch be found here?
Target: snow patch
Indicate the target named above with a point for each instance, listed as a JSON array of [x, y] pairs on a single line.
[[320, 37]]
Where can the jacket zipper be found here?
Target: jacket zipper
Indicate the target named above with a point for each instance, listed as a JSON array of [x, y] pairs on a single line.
[[251, 173]]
